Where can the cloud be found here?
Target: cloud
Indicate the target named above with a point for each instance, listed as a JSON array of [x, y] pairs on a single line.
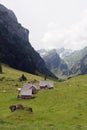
[[73, 37]]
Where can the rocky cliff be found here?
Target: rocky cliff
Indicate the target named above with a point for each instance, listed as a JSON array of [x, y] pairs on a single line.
[[15, 48], [77, 62], [55, 64]]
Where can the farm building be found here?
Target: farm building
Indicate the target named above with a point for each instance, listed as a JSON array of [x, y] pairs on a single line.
[[46, 84], [36, 86], [31, 85], [26, 93], [28, 90]]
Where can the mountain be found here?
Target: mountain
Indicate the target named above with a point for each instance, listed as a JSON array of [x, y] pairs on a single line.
[[64, 52], [55, 64], [77, 61], [84, 65], [66, 62], [42, 52], [80, 67], [75, 57], [15, 48], [52, 59]]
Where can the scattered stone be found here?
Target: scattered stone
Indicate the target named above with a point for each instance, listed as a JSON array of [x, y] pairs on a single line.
[[12, 108], [19, 106], [22, 78]]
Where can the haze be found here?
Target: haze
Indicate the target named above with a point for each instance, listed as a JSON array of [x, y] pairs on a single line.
[[52, 23]]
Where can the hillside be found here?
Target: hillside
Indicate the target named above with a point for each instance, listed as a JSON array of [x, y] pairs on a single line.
[[15, 48], [63, 108]]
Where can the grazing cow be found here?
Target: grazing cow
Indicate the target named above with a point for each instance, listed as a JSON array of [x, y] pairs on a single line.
[[12, 108]]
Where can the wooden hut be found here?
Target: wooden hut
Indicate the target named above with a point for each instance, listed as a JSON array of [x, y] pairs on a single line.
[[46, 84], [28, 90], [26, 93]]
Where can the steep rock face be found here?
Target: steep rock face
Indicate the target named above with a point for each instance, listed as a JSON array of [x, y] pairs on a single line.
[[15, 49], [52, 59], [77, 62], [55, 64], [9, 21], [83, 65]]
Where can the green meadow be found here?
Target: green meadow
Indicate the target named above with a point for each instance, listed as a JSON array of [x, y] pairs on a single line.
[[61, 108]]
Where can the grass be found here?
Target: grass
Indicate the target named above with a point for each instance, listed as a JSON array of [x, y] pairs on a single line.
[[62, 108]]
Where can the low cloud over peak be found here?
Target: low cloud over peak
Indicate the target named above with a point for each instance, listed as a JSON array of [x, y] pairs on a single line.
[[72, 37]]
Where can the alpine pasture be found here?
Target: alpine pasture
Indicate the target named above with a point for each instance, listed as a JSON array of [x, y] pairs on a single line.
[[61, 108]]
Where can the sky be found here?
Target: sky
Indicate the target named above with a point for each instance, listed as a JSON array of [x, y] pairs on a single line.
[[52, 23]]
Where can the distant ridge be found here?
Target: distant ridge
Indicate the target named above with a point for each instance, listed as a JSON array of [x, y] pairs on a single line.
[[65, 61]]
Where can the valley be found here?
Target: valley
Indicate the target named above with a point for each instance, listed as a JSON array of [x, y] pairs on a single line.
[[64, 107], [65, 63]]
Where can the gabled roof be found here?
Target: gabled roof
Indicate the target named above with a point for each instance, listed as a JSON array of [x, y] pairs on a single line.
[[49, 84], [36, 86], [27, 86], [26, 92], [30, 86]]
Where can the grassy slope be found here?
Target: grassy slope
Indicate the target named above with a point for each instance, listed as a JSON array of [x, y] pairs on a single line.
[[63, 108]]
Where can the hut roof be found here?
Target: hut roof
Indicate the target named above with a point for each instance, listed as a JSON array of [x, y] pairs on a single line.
[[36, 86], [49, 84], [30, 86], [27, 86], [26, 92]]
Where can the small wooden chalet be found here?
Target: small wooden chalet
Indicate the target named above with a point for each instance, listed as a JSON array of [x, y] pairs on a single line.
[[27, 91], [46, 84]]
